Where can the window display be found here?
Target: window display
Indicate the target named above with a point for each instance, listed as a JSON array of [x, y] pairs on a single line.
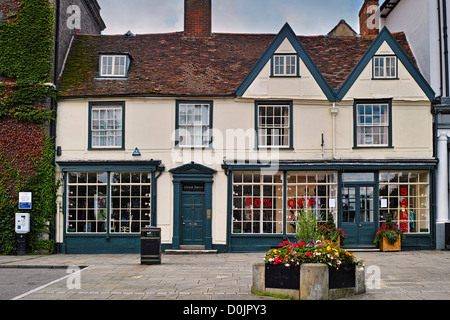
[[406, 195]]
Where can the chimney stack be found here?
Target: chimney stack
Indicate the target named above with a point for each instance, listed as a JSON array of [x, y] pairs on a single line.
[[197, 18], [369, 22]]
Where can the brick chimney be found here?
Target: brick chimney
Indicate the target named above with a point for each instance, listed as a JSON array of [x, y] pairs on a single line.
[[369, 22], [197, 18]]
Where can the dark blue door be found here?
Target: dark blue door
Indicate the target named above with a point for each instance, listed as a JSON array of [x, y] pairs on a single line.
[[359, 214], [193, 218]]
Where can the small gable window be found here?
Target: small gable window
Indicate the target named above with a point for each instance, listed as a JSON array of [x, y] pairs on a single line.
[[285, 65], [113, 65], [385, 67]]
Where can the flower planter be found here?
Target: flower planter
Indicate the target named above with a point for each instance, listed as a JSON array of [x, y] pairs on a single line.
[[344, 277], [386, 246], [309, 281], [282, 277]]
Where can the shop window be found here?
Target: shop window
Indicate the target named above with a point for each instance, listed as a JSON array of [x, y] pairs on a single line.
[[257, 203], [106, 126], [87, 201], [274, 125], [406, 196], [373, 124], [314, 190], [194, 122]]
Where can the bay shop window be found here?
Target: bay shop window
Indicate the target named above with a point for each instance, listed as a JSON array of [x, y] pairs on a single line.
[[118, 202], [406, 196], [259, 202], [266, 204]]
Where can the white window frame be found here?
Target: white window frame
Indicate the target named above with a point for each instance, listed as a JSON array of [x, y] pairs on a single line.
[[193, 124], [413, 186], [385, 67], [87, 205], [279, 133], [107, 128], [113, 65], [285, 65], [371, 124], [257, 203]]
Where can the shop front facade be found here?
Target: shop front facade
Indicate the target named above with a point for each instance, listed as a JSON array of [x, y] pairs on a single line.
[[222, 146], [359, 197]]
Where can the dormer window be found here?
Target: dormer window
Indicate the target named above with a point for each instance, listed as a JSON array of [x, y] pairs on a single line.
[[285, 65], [385, 67], [114, 65]]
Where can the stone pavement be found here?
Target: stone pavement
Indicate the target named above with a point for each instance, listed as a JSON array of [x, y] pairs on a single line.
[[418, 275]]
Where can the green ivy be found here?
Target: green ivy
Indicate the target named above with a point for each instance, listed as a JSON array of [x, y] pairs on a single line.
[[26, 53], [26, 46], [43, 186]]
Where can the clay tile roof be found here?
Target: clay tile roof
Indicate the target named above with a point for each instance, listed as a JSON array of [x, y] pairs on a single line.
[[172, 64]]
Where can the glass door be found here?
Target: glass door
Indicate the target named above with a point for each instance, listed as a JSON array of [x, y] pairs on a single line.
[[359, 214]]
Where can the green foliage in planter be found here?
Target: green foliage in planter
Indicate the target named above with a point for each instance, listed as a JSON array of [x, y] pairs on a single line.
[[389, 231], [306, 225], [26, 44], [43, 187]]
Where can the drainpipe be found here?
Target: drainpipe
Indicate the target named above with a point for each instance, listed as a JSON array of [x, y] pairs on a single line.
[[444, 13], [440, 48], [334, 111]]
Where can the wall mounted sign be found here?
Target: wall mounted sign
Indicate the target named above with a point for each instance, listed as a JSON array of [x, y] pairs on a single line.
[[25, 200]]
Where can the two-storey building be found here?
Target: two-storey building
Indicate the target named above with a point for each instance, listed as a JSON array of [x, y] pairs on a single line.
[[218, 139]]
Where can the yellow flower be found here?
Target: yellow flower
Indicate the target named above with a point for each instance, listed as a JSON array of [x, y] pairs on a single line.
[[328, 248]]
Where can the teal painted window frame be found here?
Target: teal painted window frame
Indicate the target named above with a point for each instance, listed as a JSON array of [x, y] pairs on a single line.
[[291, 123], [177, 123], [355, 124], [92, 105], [108, 167], [297, 67]]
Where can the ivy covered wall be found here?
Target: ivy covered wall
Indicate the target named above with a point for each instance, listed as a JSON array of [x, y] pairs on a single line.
[[26, 153]]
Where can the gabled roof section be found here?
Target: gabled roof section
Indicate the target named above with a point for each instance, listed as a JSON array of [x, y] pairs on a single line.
[[285, 32], [385, 35]]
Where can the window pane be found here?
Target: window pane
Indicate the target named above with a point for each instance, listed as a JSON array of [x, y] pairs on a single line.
[[257, 203], [273, 126], [407, 199], [193, 124], [106, 126]]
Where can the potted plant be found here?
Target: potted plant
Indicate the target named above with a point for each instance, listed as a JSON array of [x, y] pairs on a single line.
[[329, 231], [389, 236]]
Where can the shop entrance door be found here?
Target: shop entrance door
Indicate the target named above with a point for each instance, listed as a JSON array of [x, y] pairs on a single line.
[[193, 215], [359, 214]]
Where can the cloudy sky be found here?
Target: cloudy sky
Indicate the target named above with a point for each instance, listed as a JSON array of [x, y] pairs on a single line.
[[306, 17]]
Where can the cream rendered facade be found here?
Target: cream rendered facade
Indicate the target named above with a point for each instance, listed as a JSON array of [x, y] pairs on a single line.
[[322, 132]]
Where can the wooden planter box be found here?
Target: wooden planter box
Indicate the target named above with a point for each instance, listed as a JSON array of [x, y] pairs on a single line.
[[386, 246], [310, 281]]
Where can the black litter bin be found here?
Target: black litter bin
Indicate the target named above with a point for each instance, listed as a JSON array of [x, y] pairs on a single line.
[[150, 245]]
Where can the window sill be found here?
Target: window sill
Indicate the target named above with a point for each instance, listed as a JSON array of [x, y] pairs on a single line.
[[373, 147], [106, 149], [373, 78], [287, 76], [111, 77]]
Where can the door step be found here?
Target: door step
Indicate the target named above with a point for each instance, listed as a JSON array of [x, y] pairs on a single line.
[[362, 249], [188, 251]]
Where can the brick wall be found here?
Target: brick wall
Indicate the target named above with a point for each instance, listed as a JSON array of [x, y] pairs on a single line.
[[368, 24], [197, 18]]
